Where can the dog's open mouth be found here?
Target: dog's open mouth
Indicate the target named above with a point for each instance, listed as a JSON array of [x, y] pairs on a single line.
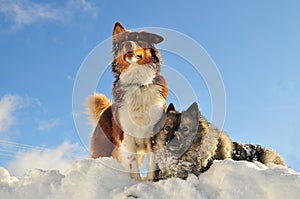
[[131, 54]]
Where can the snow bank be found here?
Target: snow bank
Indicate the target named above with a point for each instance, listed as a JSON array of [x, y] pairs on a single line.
[[93, 179]]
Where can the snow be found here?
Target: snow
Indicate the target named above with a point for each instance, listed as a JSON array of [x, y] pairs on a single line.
[[103, 178]]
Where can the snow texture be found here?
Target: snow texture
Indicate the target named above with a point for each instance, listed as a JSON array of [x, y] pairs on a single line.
[[102, 178]]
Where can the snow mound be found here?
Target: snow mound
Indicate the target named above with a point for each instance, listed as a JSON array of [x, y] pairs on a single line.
[[95, 179]]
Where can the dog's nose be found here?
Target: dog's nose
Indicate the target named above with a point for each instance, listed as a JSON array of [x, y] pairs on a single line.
[[129, 46]]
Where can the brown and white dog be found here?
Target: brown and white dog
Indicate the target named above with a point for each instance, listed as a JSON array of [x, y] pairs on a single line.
[[125, 128]]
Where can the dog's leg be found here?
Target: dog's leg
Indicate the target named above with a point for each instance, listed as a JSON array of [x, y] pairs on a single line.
[[151, 165], [128, 156]]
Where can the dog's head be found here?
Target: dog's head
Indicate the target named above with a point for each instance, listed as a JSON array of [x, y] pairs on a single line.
[[134, 47], [180, 130]]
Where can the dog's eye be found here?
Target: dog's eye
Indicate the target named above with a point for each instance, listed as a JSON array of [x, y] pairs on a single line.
[[167, 128], [185, 129]]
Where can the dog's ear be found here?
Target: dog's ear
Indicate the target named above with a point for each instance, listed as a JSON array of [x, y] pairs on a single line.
[[151, 37], [171, 107], [118, 29], [194, 110], [155, 39]]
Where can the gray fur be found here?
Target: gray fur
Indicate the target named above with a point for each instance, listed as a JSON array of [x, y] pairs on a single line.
[[188, 143], [253, 152]]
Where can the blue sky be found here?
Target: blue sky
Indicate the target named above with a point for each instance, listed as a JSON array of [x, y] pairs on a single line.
[[255, 46]]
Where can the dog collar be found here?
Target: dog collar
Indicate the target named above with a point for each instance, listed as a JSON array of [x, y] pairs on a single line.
[[140, 85]]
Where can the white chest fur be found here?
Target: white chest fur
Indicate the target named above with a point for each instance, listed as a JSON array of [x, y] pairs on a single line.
[[141, 107]]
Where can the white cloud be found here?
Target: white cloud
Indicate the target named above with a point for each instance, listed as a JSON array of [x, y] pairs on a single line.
[[44, 125], [8, 105], [81, 6], [51, 158], [19, 13], [24, 12]]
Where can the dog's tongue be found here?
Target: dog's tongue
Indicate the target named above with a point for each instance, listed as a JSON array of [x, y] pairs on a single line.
[[130, 54]]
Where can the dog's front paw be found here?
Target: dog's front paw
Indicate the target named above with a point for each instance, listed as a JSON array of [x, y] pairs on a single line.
[[150, 176], [136, 176]]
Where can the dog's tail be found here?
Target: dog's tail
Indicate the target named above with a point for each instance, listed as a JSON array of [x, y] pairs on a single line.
[[254, 152], [97, 104]]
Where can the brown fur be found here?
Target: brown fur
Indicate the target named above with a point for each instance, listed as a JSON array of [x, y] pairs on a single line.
[[109, 138], [145, 48], [105, 140], [97, 104], [99, 108]]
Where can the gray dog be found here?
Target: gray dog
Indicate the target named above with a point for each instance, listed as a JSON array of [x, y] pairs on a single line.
[[188, 143]]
